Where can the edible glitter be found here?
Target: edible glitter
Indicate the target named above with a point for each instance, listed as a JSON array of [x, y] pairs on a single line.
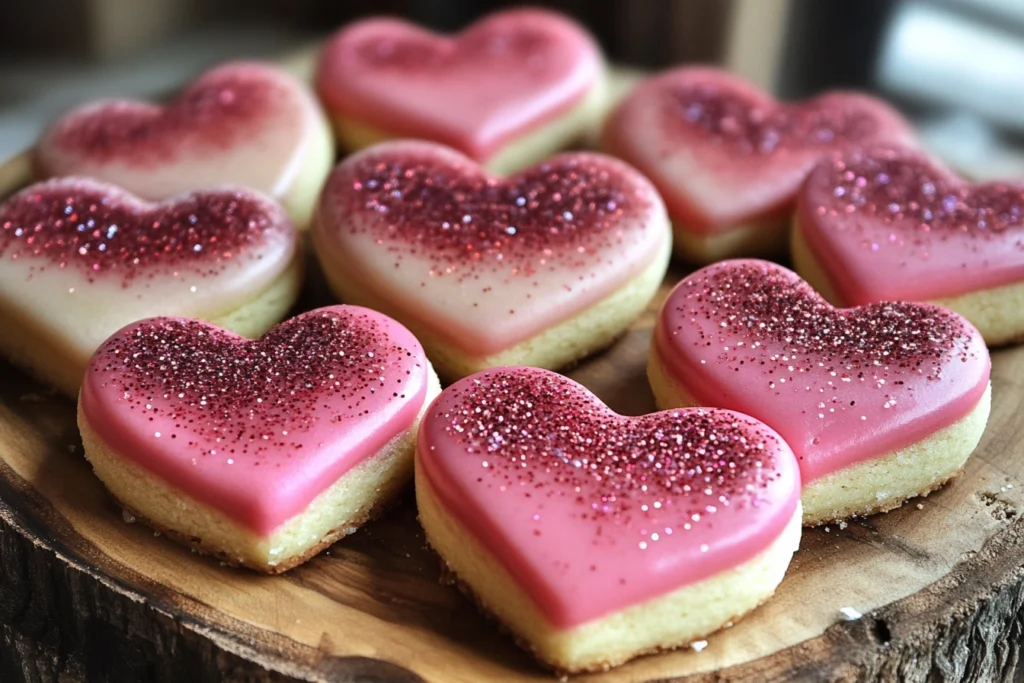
[[543, 435], [565, 213], [792, 334], [753, 127], [888, 187], [251, 397], [224, 106], [99, 229]]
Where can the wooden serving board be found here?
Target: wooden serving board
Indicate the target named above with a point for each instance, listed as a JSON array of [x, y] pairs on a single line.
[[86, 595]]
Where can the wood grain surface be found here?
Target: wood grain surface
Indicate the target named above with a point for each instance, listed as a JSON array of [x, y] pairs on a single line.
[[85, 595]]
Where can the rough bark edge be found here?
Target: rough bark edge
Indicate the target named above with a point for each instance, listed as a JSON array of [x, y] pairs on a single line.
[[63, 620]]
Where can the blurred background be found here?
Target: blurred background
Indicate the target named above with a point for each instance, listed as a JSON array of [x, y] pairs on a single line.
[[955, 66]]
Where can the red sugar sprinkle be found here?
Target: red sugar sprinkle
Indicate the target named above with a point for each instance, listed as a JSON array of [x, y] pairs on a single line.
[[224, 106], [250, 395], [100, 229], [563, 213], [544, 435], [764, 304], [751, 127], [890, 187]]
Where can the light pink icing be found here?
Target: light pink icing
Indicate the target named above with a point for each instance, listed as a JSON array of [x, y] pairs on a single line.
[[481, 262], [723, 153], [842, 386], [502, 76], [256, 429], [591, 512], [891, 224], [242, 123]]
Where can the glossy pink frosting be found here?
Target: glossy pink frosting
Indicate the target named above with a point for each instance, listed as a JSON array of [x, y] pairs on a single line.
[[590, 511], [842, 386], [242, 123], [482, 262], [476, 91], [891, 224], [256, 429], [723, 153]]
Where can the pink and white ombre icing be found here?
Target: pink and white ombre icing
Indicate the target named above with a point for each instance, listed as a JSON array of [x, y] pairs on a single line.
[[723, 153], [244, 123]]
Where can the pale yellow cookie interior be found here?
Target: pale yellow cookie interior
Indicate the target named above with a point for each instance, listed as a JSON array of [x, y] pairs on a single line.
[[577, 337], [336, 512], [997, 312], [665, 622], [864, 488], [53, 359]]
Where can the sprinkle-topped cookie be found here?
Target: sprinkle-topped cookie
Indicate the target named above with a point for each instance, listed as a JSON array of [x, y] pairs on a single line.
[[593, 511], [890, 224], [728, 159], [82, 258], [844, 387], [481, 264], [255, 429]]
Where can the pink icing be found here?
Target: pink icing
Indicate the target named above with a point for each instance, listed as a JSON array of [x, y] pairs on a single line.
[[723, 153], [476, 91], [890, 224], [591, 512], [256, 429], [840, 385], [242, 123], [483, 262]]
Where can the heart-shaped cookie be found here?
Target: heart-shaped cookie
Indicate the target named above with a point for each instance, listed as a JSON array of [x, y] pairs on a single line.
[[595, 536], [82, 258], [879, 403], [726, 156], [889, 224], [523, 82], [260, 451], [245, 124], [537, 269]]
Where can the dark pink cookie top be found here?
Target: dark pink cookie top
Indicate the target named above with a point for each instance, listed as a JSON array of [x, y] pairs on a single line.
[[591, 511], [722, 152], [475, 91], [890, 224], [256, 429], [840, 385]]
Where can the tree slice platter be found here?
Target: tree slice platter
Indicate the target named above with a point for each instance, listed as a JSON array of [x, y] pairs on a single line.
[[87, 595]]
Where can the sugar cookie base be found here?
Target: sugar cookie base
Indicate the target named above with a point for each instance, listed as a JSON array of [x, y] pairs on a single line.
[[523, 151], [663, 623], [299, 201], [871, 486], [766, 238], [997, 312], [588, 331], [338, 511], [52, 360]]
